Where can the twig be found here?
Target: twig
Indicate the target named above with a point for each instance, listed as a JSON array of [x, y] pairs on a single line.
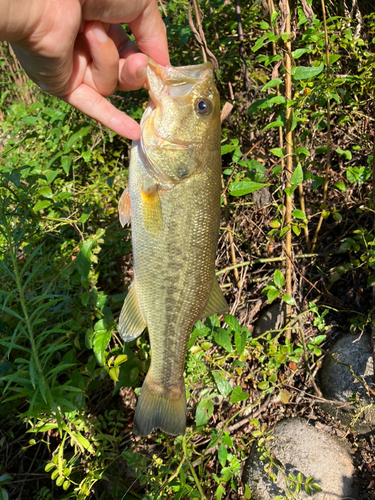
[[198, 484], [328, 163], [200, 36], [289, 164], [306, 358], [273, 259], [242, 49]]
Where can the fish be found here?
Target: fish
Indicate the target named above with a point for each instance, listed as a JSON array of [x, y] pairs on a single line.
[[173, 203]]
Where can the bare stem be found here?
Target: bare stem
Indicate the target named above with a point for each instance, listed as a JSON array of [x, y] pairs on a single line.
[[328, 163], [289, 166]]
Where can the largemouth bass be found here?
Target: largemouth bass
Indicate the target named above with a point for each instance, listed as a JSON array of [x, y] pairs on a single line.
[[173, 201]]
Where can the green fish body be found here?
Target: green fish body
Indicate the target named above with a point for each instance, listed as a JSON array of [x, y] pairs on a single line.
[[173, 201]]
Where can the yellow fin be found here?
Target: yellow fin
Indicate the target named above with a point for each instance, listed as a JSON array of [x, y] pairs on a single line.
[[216, 303], [161, 408], [124, 208], [151, 209], [131, 323]]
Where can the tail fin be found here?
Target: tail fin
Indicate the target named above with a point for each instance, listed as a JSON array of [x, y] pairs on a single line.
[[160, 408]]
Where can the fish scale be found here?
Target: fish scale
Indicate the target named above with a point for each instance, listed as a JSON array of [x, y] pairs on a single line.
[[175, 227]]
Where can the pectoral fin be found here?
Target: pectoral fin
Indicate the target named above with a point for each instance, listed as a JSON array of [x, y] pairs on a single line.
[[131, 323], [151, 208], [216, 303], [124, 208]]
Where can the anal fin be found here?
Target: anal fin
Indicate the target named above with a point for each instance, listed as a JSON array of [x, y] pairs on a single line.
[[216, 303], [124, 208], [131, 323]]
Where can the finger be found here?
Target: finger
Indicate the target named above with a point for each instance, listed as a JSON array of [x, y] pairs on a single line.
[[150, 33], [102, 71], [87, 100], [132, 74], [132, 65], [143, 18]]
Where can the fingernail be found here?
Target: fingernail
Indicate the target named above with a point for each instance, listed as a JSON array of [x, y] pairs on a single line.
[[99, 32], [141, 72]]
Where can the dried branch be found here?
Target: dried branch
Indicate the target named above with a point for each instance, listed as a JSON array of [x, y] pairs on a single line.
[[328, 163]]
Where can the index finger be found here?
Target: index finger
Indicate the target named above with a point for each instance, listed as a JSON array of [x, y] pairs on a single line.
[[90, 102], [150, 33]]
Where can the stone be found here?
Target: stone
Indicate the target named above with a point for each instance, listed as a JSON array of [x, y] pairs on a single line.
[[271, 319], [299, 447], [338, 384]]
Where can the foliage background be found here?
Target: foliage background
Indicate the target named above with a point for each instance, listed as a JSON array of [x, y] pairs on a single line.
[[67, 382]]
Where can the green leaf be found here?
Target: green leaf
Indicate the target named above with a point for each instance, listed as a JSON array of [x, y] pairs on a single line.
[[222, 384], [263, 385], [288, 299], [247, 494], [4, 494], [297, 176], [228, 148], [5, 478], [333, 58], [299, 52], [341, 186], [204, 411], [66, 161], [279, 152], [46, 192], [219, 492], [245, 186], [238, 395], [298, 214], [120, 359], [304, 72], [41, 205], [278, 278], [222, 455], [273, 83], [227, 439], [222, 338], [272, 294], [302, 150], [275, 124], [278, 99], [75, 138], [240, 340], [342, 152], [232, 322], [82, 442], [99, 344], [83, 262]]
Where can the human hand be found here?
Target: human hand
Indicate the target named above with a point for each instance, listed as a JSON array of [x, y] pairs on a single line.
[[77, 50]]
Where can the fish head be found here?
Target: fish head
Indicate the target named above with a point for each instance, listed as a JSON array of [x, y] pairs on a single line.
[[181, 124]]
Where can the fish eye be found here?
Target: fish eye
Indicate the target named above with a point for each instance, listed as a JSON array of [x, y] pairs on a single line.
[[203, 106]]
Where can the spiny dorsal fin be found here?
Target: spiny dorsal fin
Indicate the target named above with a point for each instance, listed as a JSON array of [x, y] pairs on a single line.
[[124, 208], [216, 303], [151, 208], [131, 323]]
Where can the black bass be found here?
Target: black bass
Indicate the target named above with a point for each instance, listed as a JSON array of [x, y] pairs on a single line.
[[173, 202]]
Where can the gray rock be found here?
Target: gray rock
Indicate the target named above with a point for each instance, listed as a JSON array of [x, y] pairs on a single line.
[[299, 447], [336, 380], [271, 319]]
